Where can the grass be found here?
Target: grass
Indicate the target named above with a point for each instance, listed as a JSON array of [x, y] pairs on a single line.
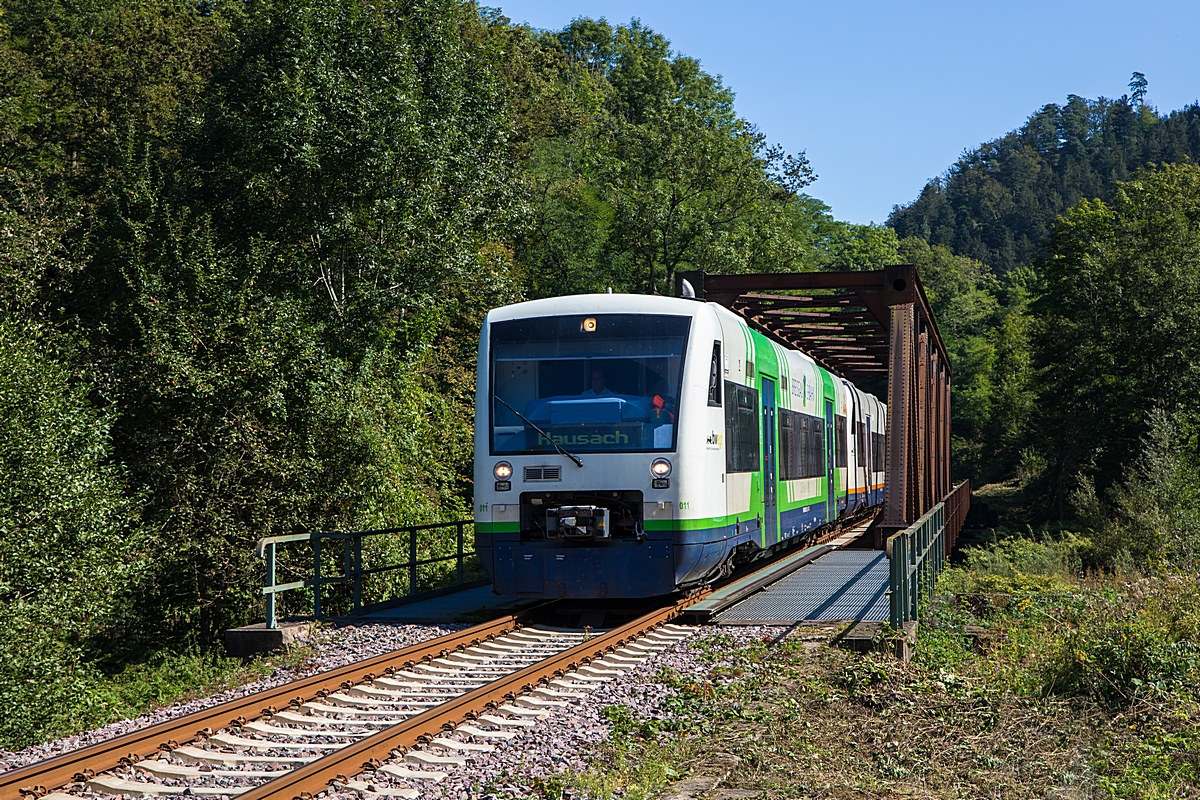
[[95, 698], [1030, 680], [169, 678]]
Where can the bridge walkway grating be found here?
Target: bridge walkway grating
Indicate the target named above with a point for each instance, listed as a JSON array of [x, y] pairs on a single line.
[[843, 584]]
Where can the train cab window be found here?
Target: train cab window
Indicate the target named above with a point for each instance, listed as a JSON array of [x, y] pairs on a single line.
[[860, 443], [603, 383], [801, 446], [714, 377], [741, 428], [840, 444]]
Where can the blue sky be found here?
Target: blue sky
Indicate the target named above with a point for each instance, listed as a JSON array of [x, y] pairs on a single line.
[[884, 96]]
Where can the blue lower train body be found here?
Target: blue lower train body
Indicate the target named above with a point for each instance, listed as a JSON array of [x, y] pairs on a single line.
[[658, 564]]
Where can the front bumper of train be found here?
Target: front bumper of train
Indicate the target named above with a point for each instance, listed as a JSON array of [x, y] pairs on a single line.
[[657, 565]]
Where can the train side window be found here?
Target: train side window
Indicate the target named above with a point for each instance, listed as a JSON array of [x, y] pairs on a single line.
[[840, 444], [878, 451], [789, 454], [860, 443], [714, 377], [816, 447], [741, 428], [802, 446]]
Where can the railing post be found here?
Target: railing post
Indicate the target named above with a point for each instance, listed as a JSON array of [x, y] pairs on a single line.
[[942, 541], [460, 552], [898, 564], [357, 572], [914, 583], [317, 577], [270, 556], [412, 562], [922, 565], [942, 548]]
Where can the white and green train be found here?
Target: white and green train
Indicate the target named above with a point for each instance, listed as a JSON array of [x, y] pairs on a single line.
[[628, 446]]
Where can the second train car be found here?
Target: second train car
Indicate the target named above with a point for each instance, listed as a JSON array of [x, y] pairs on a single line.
[[629, 446]]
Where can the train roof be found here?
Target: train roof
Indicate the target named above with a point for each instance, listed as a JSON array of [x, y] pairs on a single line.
[[599, 303], [619, 303]]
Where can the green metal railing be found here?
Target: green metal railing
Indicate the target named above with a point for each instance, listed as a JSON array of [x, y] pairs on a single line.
[[353, 570], [918, 553]]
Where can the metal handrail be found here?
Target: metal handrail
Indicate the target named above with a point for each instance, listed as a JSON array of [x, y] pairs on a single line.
[[918, 553], [352, 566]]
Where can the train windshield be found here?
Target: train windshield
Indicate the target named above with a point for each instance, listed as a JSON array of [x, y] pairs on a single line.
[[591, 384]]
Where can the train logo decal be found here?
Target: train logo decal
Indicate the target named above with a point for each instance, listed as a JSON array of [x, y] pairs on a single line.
[[801, 389], [616, 437]]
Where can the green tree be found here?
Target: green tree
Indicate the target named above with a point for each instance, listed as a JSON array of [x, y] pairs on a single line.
[[1137, 88], [1118, 323], [68, 557], [985, 325], [1150, 519], [657, 173], [270, 228]]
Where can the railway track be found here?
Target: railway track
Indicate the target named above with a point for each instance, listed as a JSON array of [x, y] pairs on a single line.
[[394, 718], [385, 726]]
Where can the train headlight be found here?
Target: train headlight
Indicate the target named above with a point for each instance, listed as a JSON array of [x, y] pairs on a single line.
[[502, 471], [660, 468]]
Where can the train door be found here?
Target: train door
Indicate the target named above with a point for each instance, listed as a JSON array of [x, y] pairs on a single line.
[[831, 510], [869, 460], [771, 516]]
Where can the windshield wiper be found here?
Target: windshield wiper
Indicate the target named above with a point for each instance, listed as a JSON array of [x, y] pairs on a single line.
[[557, 446]]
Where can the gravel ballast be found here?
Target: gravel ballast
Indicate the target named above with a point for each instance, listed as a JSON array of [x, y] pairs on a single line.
[[570, 735], [564, 741]]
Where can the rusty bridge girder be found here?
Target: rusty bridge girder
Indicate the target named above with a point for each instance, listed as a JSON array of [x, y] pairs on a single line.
[[858, 325]]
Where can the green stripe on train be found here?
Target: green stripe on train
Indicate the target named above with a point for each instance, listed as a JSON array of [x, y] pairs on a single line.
[[497, 527]]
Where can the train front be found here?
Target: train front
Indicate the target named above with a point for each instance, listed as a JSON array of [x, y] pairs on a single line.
[[577, 425]]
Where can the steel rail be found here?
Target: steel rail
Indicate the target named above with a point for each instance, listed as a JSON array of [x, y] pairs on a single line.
[[40, 778], [319, 775]]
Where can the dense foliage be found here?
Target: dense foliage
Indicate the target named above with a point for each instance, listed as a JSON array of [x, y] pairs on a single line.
[[245, 249], [1060, 367], [1066, 332], [1119, 320]]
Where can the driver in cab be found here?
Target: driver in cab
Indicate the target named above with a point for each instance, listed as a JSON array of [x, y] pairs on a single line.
[[598, 388]]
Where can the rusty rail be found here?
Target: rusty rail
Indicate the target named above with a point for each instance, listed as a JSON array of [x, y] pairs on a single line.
[[40, 778], [318, 775]]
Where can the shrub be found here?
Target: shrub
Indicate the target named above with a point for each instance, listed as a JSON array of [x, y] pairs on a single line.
[[1151, 520], [1141, 642], [66, 542]]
